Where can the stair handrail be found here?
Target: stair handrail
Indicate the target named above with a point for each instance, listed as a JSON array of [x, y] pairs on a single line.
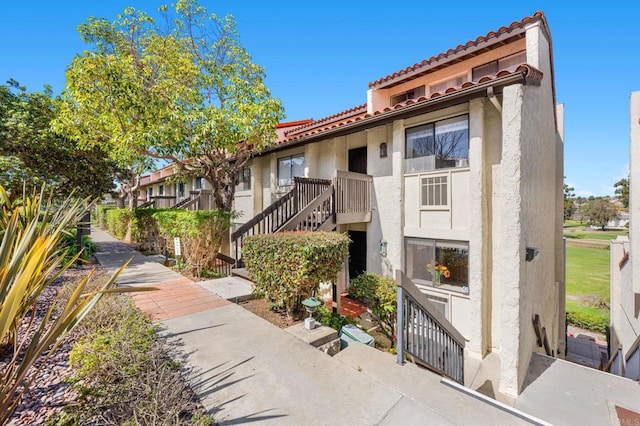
[[425, 334], [180, 204], [317, 212]]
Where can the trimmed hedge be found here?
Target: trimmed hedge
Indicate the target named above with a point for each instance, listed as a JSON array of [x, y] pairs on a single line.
[[588, 321], [118, 222], [288, 267], [100, 215], [201, 233]]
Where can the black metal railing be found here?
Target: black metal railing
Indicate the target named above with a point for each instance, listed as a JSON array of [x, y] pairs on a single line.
[[425, 334]]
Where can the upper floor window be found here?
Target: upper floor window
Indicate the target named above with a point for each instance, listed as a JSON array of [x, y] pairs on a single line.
[[161, 190], [150, 192], [243, 180], [492, 68], [288, 168], [414, 93], [181, 189], [438, 145]]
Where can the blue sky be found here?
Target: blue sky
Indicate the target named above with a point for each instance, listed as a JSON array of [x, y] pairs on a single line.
[[320, 56]]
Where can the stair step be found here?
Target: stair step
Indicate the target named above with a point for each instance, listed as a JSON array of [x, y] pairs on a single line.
[[240, 272]]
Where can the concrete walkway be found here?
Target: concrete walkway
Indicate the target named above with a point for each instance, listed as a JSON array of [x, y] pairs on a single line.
[[245, 369]]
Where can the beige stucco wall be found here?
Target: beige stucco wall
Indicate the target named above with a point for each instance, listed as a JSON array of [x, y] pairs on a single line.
[[529, 210]]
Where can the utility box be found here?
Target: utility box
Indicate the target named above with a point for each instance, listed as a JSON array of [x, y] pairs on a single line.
[[352, 334]]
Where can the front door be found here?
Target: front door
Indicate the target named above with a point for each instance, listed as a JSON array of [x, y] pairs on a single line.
[[358, 160], [357, 253]]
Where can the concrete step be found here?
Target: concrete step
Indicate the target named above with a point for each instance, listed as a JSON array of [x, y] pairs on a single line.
[[234, 289], [240, 272]]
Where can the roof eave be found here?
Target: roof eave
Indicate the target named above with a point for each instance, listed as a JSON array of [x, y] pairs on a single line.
[[444, 101]]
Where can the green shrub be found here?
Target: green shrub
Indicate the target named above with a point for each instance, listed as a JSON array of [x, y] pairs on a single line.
[[379, 294], [331, 319], [69, 244], [588, 321], [118, 222], [289, 266], [122, 374], [100, 215], [144, 228], [201, 233]]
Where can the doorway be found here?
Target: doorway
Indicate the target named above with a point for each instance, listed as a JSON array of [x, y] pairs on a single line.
[[357, 253], [358, 160]]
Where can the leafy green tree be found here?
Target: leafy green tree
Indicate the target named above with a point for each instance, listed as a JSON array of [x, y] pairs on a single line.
[[622, 191], [32, 154], [569, 201], [599, 211], [187, 93]]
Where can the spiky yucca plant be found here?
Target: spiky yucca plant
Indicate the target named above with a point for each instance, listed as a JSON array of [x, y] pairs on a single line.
[[30, 260]]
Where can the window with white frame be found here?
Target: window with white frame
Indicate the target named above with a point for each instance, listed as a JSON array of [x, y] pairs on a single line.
[[438, 263], [438, 145], [198, 182], [434, 191], [161, 190], [288, 168], [181, 189], [150, 192]]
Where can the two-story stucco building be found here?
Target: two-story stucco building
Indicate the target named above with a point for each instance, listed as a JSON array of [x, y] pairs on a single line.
[[461, 161]]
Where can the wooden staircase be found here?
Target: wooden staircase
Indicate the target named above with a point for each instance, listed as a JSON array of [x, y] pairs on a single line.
[[311, 205]]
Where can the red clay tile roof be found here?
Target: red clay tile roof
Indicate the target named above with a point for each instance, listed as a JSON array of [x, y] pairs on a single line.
[[294, 123], [445, 57], [351, 112], [530, 74]]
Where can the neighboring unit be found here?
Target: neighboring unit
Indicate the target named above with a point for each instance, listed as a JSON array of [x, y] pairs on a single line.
[[624, 339]]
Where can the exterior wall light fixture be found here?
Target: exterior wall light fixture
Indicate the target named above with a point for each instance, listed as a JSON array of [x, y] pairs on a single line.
[[383, 247], [383, 150], [531, 253]]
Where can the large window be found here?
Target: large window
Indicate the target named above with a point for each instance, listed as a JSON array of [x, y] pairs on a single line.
[[438, 145], [438, 263], [288, 168]]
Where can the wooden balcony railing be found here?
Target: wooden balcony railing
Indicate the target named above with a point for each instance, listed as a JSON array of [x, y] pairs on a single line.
[[353, 197], [163, 201], [425, 334]]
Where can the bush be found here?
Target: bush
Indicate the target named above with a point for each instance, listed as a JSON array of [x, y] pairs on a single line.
[[122, 373], [68, 243], [100, 215], [201, 233], [289, 266], [379, 294], [588, 321], [144, 228], [118, 222], [331, 319]]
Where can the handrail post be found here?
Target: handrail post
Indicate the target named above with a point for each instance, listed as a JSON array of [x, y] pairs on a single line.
[[400, 321]]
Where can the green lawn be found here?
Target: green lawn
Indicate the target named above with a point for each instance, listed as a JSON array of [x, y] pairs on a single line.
[[587, 275], [595, 235], [587, 271]]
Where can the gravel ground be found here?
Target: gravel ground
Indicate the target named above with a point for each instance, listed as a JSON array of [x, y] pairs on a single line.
[[49, 392]]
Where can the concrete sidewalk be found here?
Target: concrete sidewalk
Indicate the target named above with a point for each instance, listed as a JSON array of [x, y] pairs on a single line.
[[245, 369]]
